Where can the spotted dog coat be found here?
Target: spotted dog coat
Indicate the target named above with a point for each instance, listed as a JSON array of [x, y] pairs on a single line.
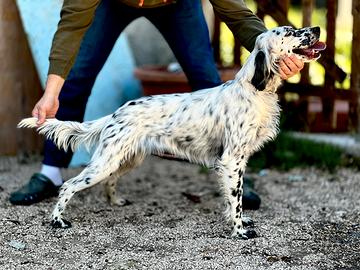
[[219, 127]]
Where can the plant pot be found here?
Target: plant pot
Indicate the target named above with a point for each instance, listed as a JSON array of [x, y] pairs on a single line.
[[157, 80]]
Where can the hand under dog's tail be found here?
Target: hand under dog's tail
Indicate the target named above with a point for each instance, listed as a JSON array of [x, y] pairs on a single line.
[[67, 134]]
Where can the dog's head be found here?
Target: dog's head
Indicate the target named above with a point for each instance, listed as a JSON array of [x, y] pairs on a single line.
[[285, 41], [279, 42]]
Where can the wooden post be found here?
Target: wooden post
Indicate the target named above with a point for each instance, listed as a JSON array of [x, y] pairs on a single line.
[[330, 38], [329, 84], [355, 58], [237, 53], [307, 6], [19, 84], [216, 40], [284, 6], [260, 12]]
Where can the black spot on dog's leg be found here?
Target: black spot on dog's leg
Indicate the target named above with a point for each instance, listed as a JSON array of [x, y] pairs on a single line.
[[211, 111], [249, 234], [248, 223], [87, 180], [111, 136], [57, 224]]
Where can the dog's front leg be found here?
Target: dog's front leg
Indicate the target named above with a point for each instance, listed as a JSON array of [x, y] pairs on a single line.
[[231, 170]]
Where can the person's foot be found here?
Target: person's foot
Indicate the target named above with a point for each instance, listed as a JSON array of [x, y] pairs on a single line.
[[37, 189], [251, 199]]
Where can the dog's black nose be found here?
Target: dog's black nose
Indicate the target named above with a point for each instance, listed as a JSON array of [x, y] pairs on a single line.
[[316, 30]]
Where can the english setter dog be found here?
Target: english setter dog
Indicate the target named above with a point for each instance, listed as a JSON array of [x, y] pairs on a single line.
[[219, 127]]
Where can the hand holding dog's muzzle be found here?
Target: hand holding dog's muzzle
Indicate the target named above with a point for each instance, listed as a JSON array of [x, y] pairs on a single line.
[[290, 66]]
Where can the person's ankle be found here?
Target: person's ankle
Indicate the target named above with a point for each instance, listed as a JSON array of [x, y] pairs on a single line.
[[53, 173]]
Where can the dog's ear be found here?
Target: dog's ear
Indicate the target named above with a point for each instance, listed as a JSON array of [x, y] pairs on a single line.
[[262, 73]]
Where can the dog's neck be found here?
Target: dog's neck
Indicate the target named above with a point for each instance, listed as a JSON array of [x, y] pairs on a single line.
[[257, 73]]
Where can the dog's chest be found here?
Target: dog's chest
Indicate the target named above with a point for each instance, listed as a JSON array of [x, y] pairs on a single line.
[[260, 123]]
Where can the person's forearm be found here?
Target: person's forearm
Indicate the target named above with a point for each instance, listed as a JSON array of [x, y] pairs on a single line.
[[54, 84], [76, 18], [245, 25]]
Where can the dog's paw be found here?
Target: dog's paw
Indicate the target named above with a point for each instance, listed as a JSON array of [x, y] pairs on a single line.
[[60, 223], [120, 202], [247, 222], [243, 234]]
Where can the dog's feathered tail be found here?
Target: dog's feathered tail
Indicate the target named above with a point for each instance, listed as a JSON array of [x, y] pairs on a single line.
[[67, 134]]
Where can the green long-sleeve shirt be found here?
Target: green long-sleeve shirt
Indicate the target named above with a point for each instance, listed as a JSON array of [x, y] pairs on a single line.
[[77, 16]]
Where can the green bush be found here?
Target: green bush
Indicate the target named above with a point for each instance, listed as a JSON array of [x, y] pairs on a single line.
[[287, 152]]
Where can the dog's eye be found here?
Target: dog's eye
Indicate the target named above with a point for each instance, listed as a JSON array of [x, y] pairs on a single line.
[[298, 33], [290, 32]]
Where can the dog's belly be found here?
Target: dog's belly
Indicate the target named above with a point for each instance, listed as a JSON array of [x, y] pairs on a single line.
[[201, 149]]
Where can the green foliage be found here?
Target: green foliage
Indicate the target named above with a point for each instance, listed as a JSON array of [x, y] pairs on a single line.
[[287, 152], [342, 43], [204, 170]]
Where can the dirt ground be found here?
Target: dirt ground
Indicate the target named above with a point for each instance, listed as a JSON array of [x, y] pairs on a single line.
[[309, 219]]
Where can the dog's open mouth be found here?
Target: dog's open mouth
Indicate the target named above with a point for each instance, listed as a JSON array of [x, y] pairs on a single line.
[[312, 51]]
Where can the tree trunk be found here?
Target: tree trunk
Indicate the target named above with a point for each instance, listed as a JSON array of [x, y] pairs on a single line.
[[19, 83]]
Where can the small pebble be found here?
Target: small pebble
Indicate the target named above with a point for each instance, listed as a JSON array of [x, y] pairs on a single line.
[[296, 178], [17, 244], [263, 172]]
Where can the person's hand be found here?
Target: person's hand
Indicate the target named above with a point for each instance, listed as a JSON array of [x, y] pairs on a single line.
[[289, 66], [48, 105]]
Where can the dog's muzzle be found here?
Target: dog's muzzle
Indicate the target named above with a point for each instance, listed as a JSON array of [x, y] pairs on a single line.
[[315, 46]]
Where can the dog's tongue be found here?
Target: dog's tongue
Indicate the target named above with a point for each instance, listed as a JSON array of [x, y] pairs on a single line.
[[319, 46], [313, 51]]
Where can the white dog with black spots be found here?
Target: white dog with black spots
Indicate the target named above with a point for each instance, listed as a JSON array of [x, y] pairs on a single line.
[[219, 127]]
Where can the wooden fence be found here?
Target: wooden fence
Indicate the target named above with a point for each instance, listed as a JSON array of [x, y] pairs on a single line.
[[317, 107]]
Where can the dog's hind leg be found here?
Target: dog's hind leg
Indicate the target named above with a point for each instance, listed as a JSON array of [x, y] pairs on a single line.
[[110, 185], [231, 169], [105, 161], [91, 175]]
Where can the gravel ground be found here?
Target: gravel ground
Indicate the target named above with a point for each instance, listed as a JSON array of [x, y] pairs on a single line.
[[309, 219]]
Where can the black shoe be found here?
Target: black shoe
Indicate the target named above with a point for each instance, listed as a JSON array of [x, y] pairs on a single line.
[[251, 199], [39, 188]]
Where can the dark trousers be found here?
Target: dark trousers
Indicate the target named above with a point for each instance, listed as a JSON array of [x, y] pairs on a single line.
[[183, 27]]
